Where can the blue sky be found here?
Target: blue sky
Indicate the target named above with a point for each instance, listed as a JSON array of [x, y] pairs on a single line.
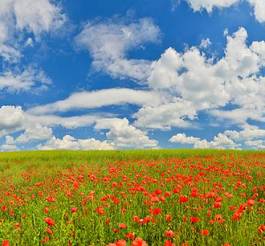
[[132, 74]]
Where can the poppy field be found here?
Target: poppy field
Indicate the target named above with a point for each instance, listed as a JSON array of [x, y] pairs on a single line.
[[138, 198]]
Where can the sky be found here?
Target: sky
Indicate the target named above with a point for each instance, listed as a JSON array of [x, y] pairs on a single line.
[[132, 74]]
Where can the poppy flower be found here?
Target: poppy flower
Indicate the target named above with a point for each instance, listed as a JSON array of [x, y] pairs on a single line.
[[49, 221], [139, 242], [121, 242], [5, 243], [169, 234], [73, 210], [122, 226], [100, 210], [130, 235], [194, 219], [251, 202], [204, 232], [261, 228], [156, 211], [168, 243], [183, 199], [49, 231]]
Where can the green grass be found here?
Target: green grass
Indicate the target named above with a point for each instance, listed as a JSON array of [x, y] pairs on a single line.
[[28, 178]]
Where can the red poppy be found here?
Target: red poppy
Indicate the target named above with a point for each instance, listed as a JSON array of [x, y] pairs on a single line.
[[261, 228], [156, 211], [194, 219], [168, 243], [169, 234], [168, 217], [5, 243], [250, 202], [204, 232], [100, 210], [121, 242], [49, 231], [122, 226], [130, 235], [49, 221], [139, 242], [183, 199]]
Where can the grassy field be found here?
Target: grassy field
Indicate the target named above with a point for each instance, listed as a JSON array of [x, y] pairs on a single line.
[[140, 197]]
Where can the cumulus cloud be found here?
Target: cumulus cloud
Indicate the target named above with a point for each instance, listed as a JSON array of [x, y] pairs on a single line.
[[71, 143], [11, 119], [259, 9], [9, 144], [211, 83], [198, 5], [37, 133], [257, 5], [165, 116], [220, 141], [123, 135], [248, 137], [38, 128], [109, 42], [96, 99]]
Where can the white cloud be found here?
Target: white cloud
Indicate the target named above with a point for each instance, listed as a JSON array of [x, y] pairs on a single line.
[[211, 83], [69, 142], [249, 136], [198, 5], [17, 16], [96, 99], [205, 43], [11, 119], [37, 128], [220, 141], [165, 116], [36, 133], [29, 79], [259, 9], [123, 135], [9, 144], [190, 76], [209, 5], [109, 42], [37, 16]]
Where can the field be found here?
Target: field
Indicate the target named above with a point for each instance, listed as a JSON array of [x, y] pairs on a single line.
[[156, 197]]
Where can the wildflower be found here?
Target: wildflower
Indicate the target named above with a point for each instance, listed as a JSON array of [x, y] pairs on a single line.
[[73, 210], [194, 219], [169, 234], [204, 232], [5, 243], [217, 205], [50, 199], [75, 185], [251, 202], [156, 211], [49, 231], [100, 210], [139, 242], [49, 221], [168, 243], [168, 217], [130, 235], [261, 228], [121, 242], [136, 218], [183, 199], [122, 226]]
